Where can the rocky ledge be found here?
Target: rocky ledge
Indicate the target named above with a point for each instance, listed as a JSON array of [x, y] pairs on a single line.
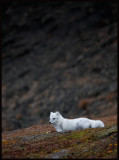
[[42, 141]]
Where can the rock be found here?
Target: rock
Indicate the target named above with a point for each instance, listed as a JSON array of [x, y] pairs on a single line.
[[83, 103], [18, 116], [59, 155]]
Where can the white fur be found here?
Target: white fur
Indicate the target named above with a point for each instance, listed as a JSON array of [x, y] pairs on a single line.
[[62, 124]]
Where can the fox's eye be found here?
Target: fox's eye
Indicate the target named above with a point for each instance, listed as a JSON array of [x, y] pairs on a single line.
[[53, 118]]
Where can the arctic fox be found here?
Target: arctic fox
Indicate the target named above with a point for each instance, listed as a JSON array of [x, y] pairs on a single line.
[[62, 124]]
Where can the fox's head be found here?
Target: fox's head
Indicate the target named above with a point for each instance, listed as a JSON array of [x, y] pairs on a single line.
[[54, 117]]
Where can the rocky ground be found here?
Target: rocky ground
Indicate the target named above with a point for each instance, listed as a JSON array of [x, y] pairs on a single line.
[[42, 141], [58, 56]]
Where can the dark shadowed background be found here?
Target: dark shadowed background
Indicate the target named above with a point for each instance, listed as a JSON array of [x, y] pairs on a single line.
[[58, 56]]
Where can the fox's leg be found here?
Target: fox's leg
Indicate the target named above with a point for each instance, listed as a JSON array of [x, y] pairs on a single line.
[[59, 130], [78, 127]]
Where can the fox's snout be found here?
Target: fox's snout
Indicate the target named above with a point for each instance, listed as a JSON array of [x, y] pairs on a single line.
[[49, 122]]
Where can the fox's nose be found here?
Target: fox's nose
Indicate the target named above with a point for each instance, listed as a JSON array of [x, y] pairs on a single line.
[[49, 122]]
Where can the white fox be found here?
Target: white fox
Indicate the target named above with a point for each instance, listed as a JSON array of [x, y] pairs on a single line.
[[62, 124]]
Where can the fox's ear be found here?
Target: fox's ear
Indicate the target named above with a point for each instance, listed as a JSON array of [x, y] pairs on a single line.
[[57, 113], [51, 112]]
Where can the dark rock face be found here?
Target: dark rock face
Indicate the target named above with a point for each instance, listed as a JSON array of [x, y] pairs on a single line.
[[58, 56]]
